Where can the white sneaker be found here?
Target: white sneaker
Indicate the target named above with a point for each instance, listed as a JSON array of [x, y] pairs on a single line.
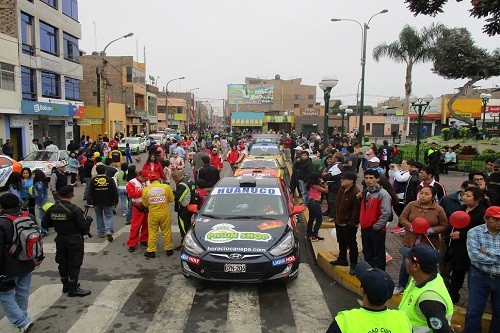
[[26, 328], [398, 290]]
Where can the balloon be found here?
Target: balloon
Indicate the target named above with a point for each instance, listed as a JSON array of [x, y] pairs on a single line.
[[420, 225], [459, 219]]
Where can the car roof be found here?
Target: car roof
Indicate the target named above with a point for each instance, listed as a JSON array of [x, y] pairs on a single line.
[[259, 181], [265, 144]]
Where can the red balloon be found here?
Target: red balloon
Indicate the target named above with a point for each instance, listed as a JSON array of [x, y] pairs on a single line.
[[459, 219], [420, 225]]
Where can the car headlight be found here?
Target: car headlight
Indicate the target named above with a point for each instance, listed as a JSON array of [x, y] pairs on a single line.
[[190, 244], [285, 246]]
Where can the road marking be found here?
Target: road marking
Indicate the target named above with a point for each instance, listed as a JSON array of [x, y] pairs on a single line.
[[243, 311], [39, 301], [308, 304], [173, 311], [106, 307]]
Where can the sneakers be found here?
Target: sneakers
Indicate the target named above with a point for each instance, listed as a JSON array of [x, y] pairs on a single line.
[[131, 249], [352, 271], [150, 254], [314, 238], [170, 252], [339, 262], [398, 230], [109, 236], [398, 290], [27, 327]]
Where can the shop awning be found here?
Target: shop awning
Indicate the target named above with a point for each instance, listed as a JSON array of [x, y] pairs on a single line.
[[247, 119]]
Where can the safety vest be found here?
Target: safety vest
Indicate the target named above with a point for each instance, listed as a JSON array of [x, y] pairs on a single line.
[[435, 290], [363, 320]]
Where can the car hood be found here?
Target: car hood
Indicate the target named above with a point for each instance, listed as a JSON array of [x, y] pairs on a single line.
[[229, 235]]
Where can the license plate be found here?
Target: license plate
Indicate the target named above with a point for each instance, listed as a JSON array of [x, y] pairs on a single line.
[[235, 268]]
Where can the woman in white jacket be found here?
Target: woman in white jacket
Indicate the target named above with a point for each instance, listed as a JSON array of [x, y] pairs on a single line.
[[399, 178]]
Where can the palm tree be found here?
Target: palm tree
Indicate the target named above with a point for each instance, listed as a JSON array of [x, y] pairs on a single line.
[[412, 47]]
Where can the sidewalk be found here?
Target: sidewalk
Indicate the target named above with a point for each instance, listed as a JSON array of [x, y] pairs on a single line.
[[327, 251]]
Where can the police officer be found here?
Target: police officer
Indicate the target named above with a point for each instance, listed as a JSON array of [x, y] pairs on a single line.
[[184, 195], [426, 300], [373, 316], [70, 224]]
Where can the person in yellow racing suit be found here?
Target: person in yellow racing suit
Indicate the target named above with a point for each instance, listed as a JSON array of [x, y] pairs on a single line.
[[156, 197]]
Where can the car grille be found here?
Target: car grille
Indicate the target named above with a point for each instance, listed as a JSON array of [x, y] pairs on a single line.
[[237, 276]]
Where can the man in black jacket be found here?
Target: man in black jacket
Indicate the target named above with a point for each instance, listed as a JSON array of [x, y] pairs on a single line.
[[432, 157], [70, 224], [208, 173], [102, 194], [14, 274], [302, 168]]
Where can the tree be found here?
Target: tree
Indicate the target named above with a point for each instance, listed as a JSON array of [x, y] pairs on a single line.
[[480, 9], [455, 56], [412, 47]]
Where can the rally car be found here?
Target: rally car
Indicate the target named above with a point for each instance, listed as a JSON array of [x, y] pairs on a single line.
[[259, 165], [44, 160], [7, 167], [245, 231], [137, 145], [268, 150]]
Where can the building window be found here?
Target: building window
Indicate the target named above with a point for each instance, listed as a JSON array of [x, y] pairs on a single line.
[[70, 8], [48, 38], [7, 76], [27, 34], [51, 3], [72, 88], [136, 76], [296, 97], [310, 105], [51, 85], [310, 96], [296, 105], [70, 43], [367, 127], [28, 83]]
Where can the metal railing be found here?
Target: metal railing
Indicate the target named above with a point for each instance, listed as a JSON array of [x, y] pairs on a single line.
[[462, 165]]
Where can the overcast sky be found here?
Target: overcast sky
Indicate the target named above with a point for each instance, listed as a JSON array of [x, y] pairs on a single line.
[[217, 42]]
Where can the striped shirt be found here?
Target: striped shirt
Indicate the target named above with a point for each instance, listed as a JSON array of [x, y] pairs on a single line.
[[477, 238]]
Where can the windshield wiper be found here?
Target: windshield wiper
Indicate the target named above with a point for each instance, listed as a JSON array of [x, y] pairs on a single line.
[[211, 216], [247, 217]]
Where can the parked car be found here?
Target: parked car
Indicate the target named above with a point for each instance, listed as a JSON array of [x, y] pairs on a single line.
[[157, 138], [44, 160], [7, 166], [137, 144], [245, 231]]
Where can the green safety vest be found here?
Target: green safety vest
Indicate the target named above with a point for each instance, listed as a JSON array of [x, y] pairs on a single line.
[[434, 290], [430, 151], [362, 320]]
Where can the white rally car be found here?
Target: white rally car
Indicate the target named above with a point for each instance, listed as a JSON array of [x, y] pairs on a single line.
[[44, 160]]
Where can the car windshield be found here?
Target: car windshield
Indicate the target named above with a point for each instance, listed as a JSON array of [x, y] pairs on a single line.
[[156, 137], [244, 202], [42, 155], [259, 164], [265, 151], [130, 140]]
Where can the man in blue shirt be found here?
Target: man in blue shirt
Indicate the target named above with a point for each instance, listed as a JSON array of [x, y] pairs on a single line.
[[483, 247]]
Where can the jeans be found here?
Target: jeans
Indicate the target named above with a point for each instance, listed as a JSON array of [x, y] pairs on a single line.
[[482, 286], [403, 274], [314, 214], [374, 247], [304, 192], [87, 184], [14, 302], [122, 194], [104, 219], [346, 237]]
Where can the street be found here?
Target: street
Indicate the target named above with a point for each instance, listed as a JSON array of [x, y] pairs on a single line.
[[133, 294]]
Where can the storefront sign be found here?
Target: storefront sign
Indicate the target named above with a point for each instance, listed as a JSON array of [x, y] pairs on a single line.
[[493, 109], [394, 119], [279, 119], [136, 120], [247, 118], [309, 112], [89, 122], [48, 109]]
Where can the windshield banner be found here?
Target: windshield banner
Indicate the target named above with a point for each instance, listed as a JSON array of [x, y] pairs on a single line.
[[249, 190]]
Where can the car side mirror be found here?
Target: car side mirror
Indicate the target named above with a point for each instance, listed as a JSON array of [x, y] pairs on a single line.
[[298, 209], [193, 208]]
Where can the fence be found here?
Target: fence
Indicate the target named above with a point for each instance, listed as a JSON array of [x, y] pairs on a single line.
[[462, 164]]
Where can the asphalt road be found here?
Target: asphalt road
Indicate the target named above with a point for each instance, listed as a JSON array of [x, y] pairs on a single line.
[[133, 294]]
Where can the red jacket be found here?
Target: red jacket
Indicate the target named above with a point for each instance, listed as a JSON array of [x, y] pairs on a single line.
[[233, 156], [216, 161], [376, 208], [154, 167]]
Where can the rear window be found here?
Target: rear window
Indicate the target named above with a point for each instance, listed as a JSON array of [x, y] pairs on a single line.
[[130, 140], [258, 164], [265, 151]]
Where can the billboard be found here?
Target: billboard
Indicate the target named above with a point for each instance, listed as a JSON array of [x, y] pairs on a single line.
[[250, 94]]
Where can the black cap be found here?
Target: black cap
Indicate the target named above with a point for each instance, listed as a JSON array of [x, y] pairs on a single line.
[[422, 254], [376, 283], [66, 191], [349, 175]]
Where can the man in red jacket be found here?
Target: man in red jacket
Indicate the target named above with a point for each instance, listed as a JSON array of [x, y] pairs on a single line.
[[233, 157], [375, 212], [139, 222], [216, 159]]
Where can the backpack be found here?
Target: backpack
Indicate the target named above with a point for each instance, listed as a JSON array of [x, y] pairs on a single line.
[[26, 240]]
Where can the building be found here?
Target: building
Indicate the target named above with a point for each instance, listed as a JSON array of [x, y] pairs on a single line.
[[40, 63], [175, 117]]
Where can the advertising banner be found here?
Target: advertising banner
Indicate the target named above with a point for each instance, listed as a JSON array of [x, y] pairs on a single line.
[[48, 109], [250, 94]]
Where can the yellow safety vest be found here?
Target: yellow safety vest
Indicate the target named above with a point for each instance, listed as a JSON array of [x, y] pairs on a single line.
[[435, 290], [363, 320]]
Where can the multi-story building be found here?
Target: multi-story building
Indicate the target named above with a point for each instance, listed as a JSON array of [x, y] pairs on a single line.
[[121, 80], [41, 72]]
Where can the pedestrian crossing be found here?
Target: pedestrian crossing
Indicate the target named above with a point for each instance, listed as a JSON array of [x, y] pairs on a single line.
[[187, 306]]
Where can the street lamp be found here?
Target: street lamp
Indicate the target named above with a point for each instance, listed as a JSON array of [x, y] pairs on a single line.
[[364, 28], [103, 76], [422, 104], [166, 99], [326, 84], [486, 98], [344, 111]]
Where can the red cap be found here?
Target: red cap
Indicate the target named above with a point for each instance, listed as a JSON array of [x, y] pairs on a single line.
[[493, 211]]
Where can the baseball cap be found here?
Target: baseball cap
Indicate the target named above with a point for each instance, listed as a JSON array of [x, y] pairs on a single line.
[[422, 254], [374, 160], [376, 283], [97, 154], [299, 148], [349, 175], [66, 191], [493, 211]]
